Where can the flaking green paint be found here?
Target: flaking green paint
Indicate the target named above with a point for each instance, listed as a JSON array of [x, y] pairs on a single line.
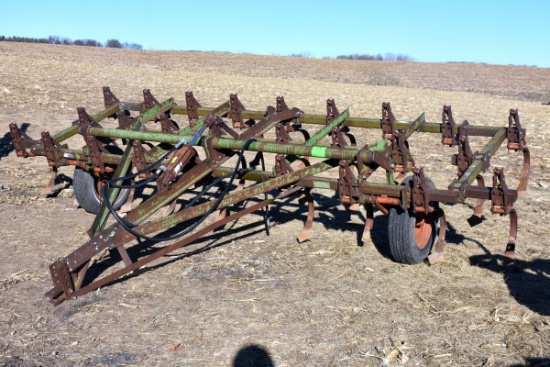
[[321, 184]]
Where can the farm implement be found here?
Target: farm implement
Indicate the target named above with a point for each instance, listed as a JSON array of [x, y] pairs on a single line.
[[228, 162]]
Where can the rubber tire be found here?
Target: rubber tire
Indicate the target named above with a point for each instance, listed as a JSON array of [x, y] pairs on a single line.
[[401, 233], [85, 192]]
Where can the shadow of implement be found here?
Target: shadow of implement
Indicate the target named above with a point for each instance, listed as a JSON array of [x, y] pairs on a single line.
[[527, 281], [6, 146], [534, 362], [144, 248], [252, 356]]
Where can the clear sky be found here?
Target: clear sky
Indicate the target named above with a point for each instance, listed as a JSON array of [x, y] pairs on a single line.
[[495, 32]]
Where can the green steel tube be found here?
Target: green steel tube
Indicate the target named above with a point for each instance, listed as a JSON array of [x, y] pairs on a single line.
[[152, 113], [232, 198], [319, 151], [122, 169], [327, 129], [79, 155], [309, 151], [124, 166], [307, 118], [415, 125], [477, 165], [369, 123], [71, 131], [189, 130], [137, 135]]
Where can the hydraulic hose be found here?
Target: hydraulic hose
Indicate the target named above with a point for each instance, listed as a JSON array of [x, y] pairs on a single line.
[[129, 226]]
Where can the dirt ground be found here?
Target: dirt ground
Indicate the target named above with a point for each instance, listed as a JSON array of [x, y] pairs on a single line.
[[238, 295]]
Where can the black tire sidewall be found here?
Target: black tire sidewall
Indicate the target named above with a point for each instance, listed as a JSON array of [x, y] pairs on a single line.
[[84, 185], [401, 234]]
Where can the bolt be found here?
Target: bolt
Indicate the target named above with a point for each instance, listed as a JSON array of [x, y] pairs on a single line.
[[392, 166]]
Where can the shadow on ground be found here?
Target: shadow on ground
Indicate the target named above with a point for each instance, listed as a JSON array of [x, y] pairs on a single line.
[[533, 362], [252, 356], [527, 281], [331, 215]]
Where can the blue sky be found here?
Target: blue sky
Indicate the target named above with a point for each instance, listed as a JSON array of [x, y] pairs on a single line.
[[495, 32]]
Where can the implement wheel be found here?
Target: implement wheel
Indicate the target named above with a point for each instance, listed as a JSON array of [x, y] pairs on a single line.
[[87, 191], [411, 234]]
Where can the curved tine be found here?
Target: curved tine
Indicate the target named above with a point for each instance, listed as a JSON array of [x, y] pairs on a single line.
[[352, 140], [368, 222], [525, 174], [305, 233], [305, 133], [437, 253], [303, 162], [48, 190], [244, 163], [222, 213], [479, 205], [511, 245]]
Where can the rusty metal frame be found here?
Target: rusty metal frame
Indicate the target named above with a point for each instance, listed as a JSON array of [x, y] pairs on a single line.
[[297, 169]]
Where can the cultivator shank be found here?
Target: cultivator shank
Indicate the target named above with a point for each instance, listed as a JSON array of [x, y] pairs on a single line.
[[227, 147]]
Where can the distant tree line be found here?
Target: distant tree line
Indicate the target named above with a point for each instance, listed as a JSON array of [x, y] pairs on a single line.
[[56, 40], [378, 57]]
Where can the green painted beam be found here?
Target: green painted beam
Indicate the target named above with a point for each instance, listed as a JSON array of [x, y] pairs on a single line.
[[313, 140], [71, 131], [152, 113], [477, 165], [235, 197], [121, 170], [320, 151], [369, 123], [415, 125]]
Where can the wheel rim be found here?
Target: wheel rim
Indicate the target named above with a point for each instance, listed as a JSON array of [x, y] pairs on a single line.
[[99, 182], [423, 229]]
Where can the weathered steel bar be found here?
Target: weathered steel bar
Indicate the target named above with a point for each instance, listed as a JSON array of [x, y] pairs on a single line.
[[477, 165], [415, 125], [235, 197], [71, 131], [103, 239], [115, 235], [221, 111], [373, 123], [323, 183], [320, 151], [122, 169], [369, 123], [315, 138], [146, 116], [153, 113], [138, 135], [75, 155], [164, 251]]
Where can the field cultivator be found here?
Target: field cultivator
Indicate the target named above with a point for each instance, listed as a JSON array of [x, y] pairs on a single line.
[[182, 166]]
